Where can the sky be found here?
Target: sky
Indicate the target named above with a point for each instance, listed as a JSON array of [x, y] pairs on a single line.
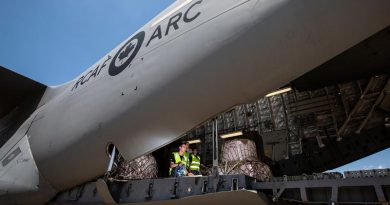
[[53, 41], [380, 160]]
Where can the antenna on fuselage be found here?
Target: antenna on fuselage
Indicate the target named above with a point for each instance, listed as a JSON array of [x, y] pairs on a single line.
[[112, 158]]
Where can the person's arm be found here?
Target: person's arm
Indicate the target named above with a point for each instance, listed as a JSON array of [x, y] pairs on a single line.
[[172, 162], [189, 163], [173, 165]]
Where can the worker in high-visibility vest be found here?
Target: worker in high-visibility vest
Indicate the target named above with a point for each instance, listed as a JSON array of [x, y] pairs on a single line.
[[179, 162], [195, 162]]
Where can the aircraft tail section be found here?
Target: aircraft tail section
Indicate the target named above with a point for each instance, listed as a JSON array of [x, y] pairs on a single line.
[[19, 98]]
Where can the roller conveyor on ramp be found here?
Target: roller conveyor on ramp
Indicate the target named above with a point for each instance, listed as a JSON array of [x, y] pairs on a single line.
[[357, 187]]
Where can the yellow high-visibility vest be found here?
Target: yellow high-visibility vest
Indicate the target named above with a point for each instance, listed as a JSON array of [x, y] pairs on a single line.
[[195, 163], [187, 157], [178, 160]]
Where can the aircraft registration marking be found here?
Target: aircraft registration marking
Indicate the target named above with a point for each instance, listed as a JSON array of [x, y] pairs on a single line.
[[11, 156]]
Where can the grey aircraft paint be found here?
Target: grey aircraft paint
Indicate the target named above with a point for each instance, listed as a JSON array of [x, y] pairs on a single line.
[[194, 60]]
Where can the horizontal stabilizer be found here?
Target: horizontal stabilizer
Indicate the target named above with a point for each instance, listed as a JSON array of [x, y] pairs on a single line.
[[19, 97]]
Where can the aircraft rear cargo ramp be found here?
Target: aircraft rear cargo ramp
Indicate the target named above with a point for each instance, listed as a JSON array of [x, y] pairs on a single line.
[[357, 187]]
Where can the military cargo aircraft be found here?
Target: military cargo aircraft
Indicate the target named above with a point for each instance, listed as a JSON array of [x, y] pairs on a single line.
[[194, 60]]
